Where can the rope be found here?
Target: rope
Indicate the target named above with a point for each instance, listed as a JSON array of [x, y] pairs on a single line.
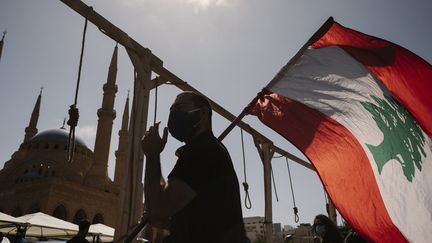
[[155, 102], [247, 201], [73, 110], [274, 184], [296, 217]]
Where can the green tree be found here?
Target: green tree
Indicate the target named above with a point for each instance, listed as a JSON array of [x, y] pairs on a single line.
[[403, 138]]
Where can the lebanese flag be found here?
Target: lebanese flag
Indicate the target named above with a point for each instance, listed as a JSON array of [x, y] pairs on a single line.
[[359, 108]]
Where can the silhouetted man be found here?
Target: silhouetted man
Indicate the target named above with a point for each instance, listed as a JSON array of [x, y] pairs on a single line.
[[202, 197], [83, 229]]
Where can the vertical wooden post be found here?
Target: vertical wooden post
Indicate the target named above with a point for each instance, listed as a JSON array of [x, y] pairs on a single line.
[[144, 77], [268, 217], [331, 211], [131, 197], [266, 154]]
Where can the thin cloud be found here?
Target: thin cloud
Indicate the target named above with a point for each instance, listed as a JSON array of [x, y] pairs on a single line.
[[198, 6]]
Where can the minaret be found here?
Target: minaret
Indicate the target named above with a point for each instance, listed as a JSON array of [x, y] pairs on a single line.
[[31, 130], [98, 173], [121, 163]]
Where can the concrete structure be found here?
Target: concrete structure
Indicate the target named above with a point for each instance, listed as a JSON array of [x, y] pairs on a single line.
[[301, 234], [288, 229], [255, 229], [39, 178]]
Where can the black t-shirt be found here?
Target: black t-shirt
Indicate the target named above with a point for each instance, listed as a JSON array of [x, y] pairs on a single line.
[[214, 215]]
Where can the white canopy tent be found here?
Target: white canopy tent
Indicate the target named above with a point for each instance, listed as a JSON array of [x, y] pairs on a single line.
[[6, 218], [103, 232], [42, 225], [9, 223]]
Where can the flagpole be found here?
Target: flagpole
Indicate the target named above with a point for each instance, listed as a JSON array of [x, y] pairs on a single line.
[[318, 34], [232, 125]]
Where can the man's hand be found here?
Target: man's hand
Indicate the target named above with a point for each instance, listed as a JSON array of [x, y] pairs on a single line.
[[152, 144]]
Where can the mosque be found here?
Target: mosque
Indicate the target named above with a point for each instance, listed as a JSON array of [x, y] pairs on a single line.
[[38, 177]]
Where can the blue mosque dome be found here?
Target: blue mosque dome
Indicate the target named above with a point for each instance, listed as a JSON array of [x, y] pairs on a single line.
[[57, 135]]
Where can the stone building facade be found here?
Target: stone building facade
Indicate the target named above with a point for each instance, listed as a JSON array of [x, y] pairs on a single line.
[[38, 176]]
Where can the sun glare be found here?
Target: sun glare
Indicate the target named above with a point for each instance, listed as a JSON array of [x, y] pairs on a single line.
[[197, 5], [200, 5]]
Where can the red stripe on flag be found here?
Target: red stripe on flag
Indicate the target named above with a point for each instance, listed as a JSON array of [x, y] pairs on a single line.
[[406, 75], [339, 159]]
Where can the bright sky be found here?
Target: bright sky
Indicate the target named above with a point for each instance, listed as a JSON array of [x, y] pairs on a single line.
[[227, 49]]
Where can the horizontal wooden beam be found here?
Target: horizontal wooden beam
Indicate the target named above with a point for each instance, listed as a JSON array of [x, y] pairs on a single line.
[[156, 64], [156, 82], [111, 30]]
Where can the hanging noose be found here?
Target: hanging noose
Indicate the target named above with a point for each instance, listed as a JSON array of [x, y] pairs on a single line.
[[247, 200], [296, 217], [73, 110]]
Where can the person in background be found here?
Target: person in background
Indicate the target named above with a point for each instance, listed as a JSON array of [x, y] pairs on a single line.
[[3, 239], [83, 229], [326, 230], [19, 236]]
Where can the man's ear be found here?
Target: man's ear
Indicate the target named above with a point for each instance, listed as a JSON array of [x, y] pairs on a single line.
[[204, 112]]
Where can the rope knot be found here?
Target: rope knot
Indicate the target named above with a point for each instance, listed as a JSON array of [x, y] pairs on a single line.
[[73, 116], [245, 186], [247, 200], [296, 217]]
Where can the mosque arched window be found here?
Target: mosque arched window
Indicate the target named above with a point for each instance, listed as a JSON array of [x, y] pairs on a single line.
[[34, 208], [98, 219], [79, 216], [60, 212], [17, 212]]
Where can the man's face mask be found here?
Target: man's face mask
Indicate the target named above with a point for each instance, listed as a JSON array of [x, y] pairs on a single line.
[[181, 124]]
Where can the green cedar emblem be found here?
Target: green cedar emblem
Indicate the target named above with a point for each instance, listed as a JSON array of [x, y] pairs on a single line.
[[403, 139]]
